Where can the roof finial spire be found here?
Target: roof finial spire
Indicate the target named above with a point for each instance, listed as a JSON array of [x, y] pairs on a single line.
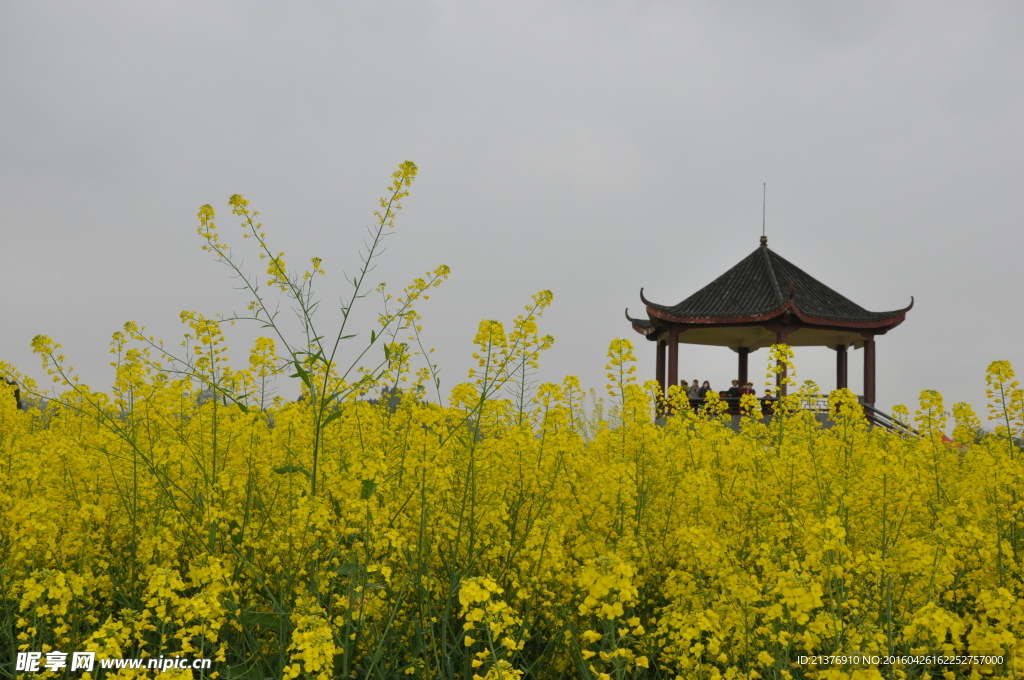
[[764, 204]]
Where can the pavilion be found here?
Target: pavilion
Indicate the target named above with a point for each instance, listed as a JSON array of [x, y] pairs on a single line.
[[762, 301]]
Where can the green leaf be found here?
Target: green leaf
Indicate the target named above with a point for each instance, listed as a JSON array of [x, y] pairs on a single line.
[[301, 373], [268, 620], [236, 538], [331, 417], [369, 486], [237, 401], [288, 469], [350, 569], [243, 672]]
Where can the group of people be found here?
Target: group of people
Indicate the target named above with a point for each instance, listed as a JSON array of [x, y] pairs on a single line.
[[697, 392]]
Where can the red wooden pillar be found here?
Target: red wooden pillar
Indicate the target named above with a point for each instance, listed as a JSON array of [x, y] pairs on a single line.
[[660, 365], [869, 370], [673, 357], [781, 336], [742, 373], [841, 366]]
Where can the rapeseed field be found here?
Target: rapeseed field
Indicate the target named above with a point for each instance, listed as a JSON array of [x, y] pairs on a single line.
[[513, 529]]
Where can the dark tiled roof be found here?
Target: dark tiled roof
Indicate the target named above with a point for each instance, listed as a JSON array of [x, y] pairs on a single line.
[[645, 326], [762, 283]]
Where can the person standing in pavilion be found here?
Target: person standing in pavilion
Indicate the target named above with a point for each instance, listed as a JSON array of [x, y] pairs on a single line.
[[695, 394]]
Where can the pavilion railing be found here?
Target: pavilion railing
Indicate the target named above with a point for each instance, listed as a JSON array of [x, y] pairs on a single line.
[[817, 403]]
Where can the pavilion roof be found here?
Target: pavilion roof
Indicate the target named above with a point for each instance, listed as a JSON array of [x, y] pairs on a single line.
[[761, 287]]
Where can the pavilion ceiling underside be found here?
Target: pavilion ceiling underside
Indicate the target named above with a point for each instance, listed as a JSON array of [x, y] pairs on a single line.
[[756, 337]]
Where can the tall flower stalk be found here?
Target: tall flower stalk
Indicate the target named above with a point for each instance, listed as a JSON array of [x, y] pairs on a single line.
[[316, 359]]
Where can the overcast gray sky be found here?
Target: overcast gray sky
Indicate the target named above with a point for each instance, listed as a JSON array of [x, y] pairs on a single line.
[[589, 148]]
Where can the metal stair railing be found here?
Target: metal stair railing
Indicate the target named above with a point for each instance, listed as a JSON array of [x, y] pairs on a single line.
[[882, 419]]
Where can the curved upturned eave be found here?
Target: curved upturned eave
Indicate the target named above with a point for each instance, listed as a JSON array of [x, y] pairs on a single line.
[[638, 325], [891, 320]]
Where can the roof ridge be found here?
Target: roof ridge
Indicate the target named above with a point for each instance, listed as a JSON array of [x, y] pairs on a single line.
[[771, 275]]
